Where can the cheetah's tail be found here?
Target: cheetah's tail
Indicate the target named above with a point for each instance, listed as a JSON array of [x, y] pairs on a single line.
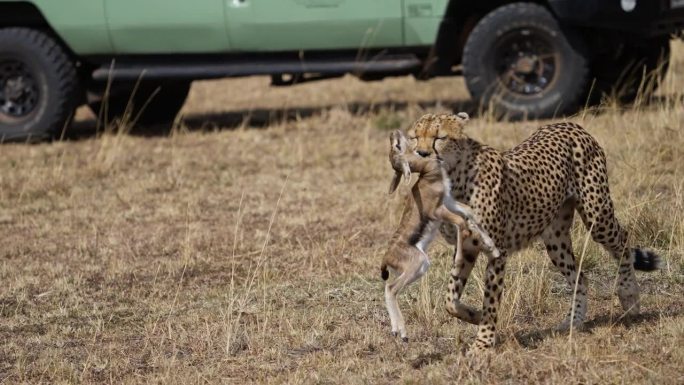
[[646, 259]]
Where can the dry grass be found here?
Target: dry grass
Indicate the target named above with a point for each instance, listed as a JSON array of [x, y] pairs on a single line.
[[250, 253]]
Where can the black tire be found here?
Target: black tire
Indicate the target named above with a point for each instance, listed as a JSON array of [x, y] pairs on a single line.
[[148, 104], [630, 68], [39, 87], [518, 61]]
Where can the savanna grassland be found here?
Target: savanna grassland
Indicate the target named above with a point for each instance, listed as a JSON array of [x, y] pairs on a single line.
[[243, 247]]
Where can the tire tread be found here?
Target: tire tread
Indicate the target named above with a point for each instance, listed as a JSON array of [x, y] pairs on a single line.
[[520, 9], [67, 87]]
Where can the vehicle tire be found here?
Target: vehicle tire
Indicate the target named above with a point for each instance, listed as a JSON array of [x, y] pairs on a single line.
[[518, 61], [39, 87], [148, 104], [631, 68]]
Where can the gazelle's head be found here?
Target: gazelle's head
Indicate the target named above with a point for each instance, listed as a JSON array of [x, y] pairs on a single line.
[[399, 146]]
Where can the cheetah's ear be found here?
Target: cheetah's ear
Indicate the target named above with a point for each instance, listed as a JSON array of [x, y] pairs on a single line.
[[463, 117], [456, 123]]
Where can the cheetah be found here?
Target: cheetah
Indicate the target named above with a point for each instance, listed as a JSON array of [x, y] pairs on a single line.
[[428, 204], [527, 192]]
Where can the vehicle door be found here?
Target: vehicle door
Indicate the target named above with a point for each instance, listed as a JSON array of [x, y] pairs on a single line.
[[287, 25], [421, 20], [167, 26]]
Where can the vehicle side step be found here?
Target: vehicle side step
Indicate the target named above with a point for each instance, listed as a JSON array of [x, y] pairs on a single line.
[[212, 70]]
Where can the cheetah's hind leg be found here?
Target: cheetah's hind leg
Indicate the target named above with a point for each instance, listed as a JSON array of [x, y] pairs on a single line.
[[558, 244]]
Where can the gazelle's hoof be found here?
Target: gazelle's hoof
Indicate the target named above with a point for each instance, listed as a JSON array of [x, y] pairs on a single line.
[[405, 339]]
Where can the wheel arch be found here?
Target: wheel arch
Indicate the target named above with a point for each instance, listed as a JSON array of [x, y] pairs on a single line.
[[24, 14], [21, 14], [460, 18]]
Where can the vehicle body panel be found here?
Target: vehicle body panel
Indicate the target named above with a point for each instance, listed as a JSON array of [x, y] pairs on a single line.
[[293, 25], [148, 27], [215, 26], [166, 26]]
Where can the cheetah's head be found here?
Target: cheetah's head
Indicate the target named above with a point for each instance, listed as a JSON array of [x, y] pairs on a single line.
[[428, 135]]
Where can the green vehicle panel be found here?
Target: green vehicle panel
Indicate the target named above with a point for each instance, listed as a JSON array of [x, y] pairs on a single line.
[[166, 26], [216, 26], [287, 25]]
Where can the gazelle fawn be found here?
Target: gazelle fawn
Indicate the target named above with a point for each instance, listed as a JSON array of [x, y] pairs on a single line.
[[428, 205]]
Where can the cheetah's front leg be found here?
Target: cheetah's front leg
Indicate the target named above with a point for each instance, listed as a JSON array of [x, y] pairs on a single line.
[[460, 271], [494, 281]]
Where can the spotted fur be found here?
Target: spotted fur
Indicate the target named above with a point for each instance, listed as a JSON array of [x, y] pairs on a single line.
[[531, 191]]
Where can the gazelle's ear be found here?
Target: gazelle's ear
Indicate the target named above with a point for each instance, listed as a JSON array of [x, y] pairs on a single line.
[[407, 171], [395, 182]]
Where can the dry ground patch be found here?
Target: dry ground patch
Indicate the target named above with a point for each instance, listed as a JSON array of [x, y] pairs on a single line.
[[250, 254]]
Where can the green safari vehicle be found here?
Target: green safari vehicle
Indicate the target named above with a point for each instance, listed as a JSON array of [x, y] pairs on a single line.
[[524, 59]]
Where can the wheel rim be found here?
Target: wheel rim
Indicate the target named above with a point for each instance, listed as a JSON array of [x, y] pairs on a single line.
[[526, 62], [19, 92]]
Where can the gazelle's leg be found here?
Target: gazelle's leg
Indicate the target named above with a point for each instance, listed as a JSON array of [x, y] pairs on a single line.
[[461, 215], [392, 306], [486, 244], [460, 209], [415, 269]]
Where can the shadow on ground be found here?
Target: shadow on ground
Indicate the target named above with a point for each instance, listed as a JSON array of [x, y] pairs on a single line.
[[261, 117], [531, 339], [264, 117]]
